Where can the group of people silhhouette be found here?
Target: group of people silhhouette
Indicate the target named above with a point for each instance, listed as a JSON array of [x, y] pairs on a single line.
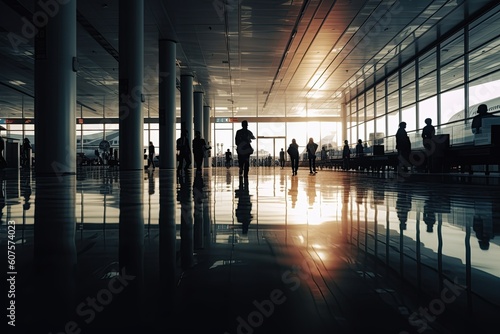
[[244, 137], [200, 149], [293, 152], [403, 143]]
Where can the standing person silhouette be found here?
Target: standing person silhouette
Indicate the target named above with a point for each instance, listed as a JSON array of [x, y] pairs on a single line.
[[428, 132], [199, 148], [359, 148], [183, 151], [482, 112], [293, 152], [243, 139], [282, 159], [151, 155], [346, 155], [26, 153], [229, 157], [403, 145], [311, 155]]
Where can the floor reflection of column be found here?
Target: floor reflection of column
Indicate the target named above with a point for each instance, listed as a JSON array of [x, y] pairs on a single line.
[[131, 246], [167, 247], [198, 211], [55, 258], [187, 217], [207, 217]]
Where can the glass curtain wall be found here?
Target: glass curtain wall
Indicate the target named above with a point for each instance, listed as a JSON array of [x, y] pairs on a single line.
[[446, 84]]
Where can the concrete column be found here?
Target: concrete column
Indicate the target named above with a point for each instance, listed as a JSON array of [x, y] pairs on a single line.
[[207, 134], [55, 90], [167, 116], [198, 112], [131, 41], [187, 109]]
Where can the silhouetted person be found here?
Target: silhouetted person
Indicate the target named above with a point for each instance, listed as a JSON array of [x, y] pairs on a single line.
[[482, 112], [229, 157], [428, 133], [403, 145], [324, 155], [282, 159], [26, 153], [359, 148], [183, 151], [311, 155], [346, 155], [199, 148], [244, 207], [151, 155], [243, 140], [293, 152]]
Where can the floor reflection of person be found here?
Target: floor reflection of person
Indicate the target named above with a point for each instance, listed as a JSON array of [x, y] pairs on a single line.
[[26, 187], [293, 191], [311, 191], [244, 206], [430, 213], [151, 183], [403, 206], [482, 224], [2, 196]]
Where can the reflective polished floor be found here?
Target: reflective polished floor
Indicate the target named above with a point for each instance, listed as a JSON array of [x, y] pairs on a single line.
[[105, 251]]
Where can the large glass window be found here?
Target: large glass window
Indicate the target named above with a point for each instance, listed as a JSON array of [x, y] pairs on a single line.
[[487, 91], [427, 63], [393, 101], [370, 112], [392, 123], [452, 49], [380, 131], [484, 31], [408, 115], [393, 83], [408, 75], [452, 105], [408, 94], [427, 86], [452, 74], [427, 109], [381, 106]]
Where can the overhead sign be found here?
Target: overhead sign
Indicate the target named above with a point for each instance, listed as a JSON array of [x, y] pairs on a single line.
[[226, 120]]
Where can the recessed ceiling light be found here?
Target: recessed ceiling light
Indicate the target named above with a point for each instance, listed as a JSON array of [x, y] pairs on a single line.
[[17, 82]]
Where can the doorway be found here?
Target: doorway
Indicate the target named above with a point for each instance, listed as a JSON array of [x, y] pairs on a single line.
[[268, 150]]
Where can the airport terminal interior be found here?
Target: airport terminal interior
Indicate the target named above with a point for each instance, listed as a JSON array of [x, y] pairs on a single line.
[[105, 229]]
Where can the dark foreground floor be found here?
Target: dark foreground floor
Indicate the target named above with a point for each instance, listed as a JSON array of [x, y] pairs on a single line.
[[335, 252]]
